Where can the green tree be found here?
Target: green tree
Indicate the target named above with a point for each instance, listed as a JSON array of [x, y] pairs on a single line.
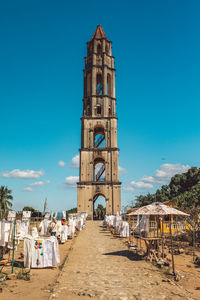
[[142, 200], [5, 197], [71, 211], [29, 208], [183, 190], [181, 183], [100, 211]]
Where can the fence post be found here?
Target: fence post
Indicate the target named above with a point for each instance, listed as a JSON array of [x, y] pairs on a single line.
[[13, 256]]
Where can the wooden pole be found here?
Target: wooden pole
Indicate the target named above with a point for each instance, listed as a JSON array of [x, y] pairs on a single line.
[[172, 249], [157, 224], [162, 238], [194, 242], [140, 232]]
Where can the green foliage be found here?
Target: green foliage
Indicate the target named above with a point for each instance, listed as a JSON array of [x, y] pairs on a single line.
[[181, 183], [34, 213], [190, 199], [71, 211], [183, 190], [29, 208], [5, 197], [100, 211]]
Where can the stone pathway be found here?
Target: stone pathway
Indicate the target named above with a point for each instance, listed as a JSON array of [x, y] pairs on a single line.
[[100, 266]]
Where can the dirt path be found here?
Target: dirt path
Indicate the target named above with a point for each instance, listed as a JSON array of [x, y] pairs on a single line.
[[100, 266]]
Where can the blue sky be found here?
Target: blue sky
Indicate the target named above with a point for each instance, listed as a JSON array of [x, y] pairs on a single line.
[[43, 43]]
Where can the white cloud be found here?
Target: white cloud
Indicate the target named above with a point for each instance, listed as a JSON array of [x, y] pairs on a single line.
[[61, 163], [165, 173], [26, 174], [141, 185], [129, 189], [37, 183], [71, 181], [28, 189], [148, 179], [122, 171], [75, 162], [48, 181]]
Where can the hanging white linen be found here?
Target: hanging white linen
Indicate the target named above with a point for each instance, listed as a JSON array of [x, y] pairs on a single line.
[[142, 225], [44, 224], [11, 215], [124, 230], [26, 215], [41, 253]]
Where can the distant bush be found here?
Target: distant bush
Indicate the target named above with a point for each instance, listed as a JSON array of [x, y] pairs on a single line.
[[71, 211]]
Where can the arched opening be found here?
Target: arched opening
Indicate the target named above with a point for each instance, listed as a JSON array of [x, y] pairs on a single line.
[[89, 84], [99, 137], [99, 84], [99, 169], [98, 109], [99, 206], [99, 49], [108, 85]]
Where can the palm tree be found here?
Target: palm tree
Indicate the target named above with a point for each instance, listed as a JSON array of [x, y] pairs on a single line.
[[5, 197]]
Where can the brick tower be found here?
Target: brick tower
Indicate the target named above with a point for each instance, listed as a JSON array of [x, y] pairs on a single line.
[[98, 173]]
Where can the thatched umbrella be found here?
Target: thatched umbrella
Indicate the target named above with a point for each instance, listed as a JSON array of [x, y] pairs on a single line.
[[159, 209]]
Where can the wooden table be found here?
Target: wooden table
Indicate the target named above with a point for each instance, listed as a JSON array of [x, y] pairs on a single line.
[[152, 245]]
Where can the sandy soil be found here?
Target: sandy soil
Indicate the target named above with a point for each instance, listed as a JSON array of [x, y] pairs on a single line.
[[41, 281]]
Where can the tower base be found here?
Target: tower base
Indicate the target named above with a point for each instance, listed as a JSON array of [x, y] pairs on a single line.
[[88, 193]]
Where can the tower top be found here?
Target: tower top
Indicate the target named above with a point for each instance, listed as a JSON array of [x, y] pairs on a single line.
[[99, 34]]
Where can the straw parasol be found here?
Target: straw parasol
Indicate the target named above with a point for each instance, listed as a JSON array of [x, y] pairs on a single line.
[[159, 209]]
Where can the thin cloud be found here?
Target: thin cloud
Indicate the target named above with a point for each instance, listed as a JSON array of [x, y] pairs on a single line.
[[37, 183], [122, 171], [141, 185], [75, 162], [26, 174], [61, 163], [27, 189], [71, 181]]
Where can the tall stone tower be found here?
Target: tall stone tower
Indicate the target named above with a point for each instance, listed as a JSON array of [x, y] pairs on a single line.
[[98, 173]]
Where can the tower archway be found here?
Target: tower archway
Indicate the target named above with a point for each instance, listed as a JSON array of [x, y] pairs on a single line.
[[99, 206]]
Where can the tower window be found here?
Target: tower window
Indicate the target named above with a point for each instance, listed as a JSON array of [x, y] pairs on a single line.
[[108, 85], [99, 49], [109, 111], [89, 84], [99, 169], [99, 137], [99, 85], [98, 107], [88, 110]]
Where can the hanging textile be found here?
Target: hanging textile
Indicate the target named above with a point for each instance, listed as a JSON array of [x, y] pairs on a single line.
[[41, 252]]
